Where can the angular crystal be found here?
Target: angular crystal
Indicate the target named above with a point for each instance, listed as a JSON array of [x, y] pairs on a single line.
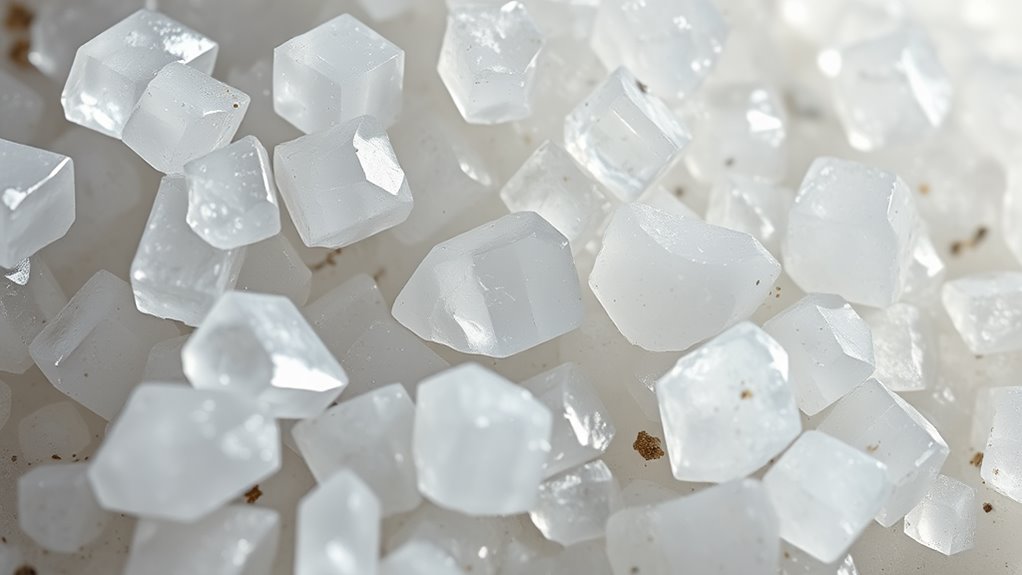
[[797, 562], [1002, 462], [574, 506], [945, 520], [693, 281], [926, 272], [664, 200], [57, 510], [53, 429], [59, 29], [986, 309], [274, 266], [28, 301], [21, 110], [338, 528], [904, 347], [344, 313], [419, 558], [476, 543], [755, 207], [370, 361], [164, 361]]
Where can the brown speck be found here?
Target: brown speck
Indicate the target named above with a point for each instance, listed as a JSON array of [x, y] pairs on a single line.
[[987, 508], [729, 162], [679, 191], [327, 261], [787, 555], [18, 17], [633, 571], [253, 495], [55, 457], [235, 105], [873, 448], [25, 570], [977, 459], [379, 274], [648, 446], [956, 248], [14, 459], [642, 87], [746, 394], [924, 189], [980, 235], [997, 471], [19, 53]]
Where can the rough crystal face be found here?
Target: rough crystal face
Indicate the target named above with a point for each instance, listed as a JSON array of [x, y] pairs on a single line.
[[479, 442], [175, 273], [945, 520], [626, 137], [177, 453], [670, 45], [29, 299], [53, 429], [755, 207], [825, 493], [344, 313], [37, 205], [419, 558], [727, 408], [274, 266], [830, 349], [370, 361], [986, 310], [372, 436], [488, 60], [99, 324], [497, 290], [985, 405], [882, 425], [232, 200], [57, 509], [476, 543], [111, 72], [343, 184], [1002, 463], [260, 346], [21, 110], [164, 361], [904, 347], [235, 540], [693, 281], [338, 528], [183, 114], [338, 71], [574, 506], [850, 233]]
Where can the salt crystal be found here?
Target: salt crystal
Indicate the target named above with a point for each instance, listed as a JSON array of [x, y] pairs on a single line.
[[177, 453], [753, 206], [497, 290], [693, 281], [57, 510], [256, 80], [55, 429], [574, 506], [986, 404], [336, 72], [5, 403], [945, 520], [926, 272], [991, 106], [338, 528], [904, 347], [476, 543], [480, 442], [343, 314], [260, 346], [21, 110], [564, 18], [986, 309], [164, 361], [588, 558], [28, 300], [370, 361], [1002, 466], [419, 558], [59, 29], [343, 184], [665, 200], [380, 10], [274, 266], [830, 349]]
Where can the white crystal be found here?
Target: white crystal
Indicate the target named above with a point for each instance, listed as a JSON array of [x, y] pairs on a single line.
[[926, 272], [343, 184], [28, 300], [5, 403], [665, 200], [480, 442], [386, 9], [183, 114], [338, 71], [693, 281], [164, 361], [59, 29], [344, 313], [476, 543], [983, 415], [755, 207], [256, 80], [57, 509], [825, 493], [574, 506], [624, 136], [370, 361], [945, 520], [177, 453], [260, 346], [641, 492], [991, 106], [830, 349], [274, 266], [53, 429], [904, 347], [338, 529], [1002, 464], [497, 290], [419, 558], [589, 558], [21, 110], [111, 71], [986, 309]]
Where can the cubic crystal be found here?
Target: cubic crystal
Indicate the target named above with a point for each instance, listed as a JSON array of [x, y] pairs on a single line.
[[21, 110], [164, 361], [53, 429], [370, 361], [344, 313], [419, 558], [904, 347], [274, 266], [986, 310], [574, 506], [945, 520], [57, 510], [1002, 465], [755, 207], [338, 529], [28, 300]]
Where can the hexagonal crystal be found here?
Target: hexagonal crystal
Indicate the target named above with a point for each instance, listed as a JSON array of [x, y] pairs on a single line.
[[1002, 462], [945, 520], [21, 109], [57, 509], [53, 429], [338, 528], [343, 314], [986, 310], [574, 506], [370, 361], [28, 300], [904, 347], [419, 558], [753, 206], [274, 266]]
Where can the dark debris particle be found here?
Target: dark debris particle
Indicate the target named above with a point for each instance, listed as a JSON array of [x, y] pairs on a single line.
[[14, 459], [19, 53], [746, 394], [642, 87], [987, 508], [648, 446], [679, 191], [55, 457], [253, 495], [25, 570], [924, 189], [728, 162], [873, 448], [19, 17], [329, 260], [977, 459]]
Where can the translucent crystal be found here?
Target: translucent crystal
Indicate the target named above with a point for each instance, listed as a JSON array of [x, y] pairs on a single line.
[[343, 184], [5, 403], [183, 114], [338, 528], [640, 492], [58, 30], [825, 493], [991, 106], [57, 509], [372, 436], [665, 200], [497, 290], [21, 110], [164, 361], [904, 347], [882, 425], [926, 272], [564, 18], [178, 453], [27, 301], [574, 506], [479, 442], [986, 309], [175, 273], [419, 558], [488, 61], [274, 266], [830, 349], [99, 324], [386, 9], [256, 80], [53, 429], [945, 520], [344, 313], [260, 346], [753, 206], [626, 137], [370, 361], [111, 71], [693, 281], [235, 540], [1002, 463], [850, 233], [37, 205], [476, 543]]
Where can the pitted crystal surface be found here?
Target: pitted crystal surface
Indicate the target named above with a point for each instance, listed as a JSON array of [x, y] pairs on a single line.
[[986, 309], [753, 206], [57, 509], [905, 347], [338, 528], [574, 506], [945, 520], [29, 298]]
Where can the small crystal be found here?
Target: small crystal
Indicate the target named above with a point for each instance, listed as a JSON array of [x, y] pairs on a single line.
[[370, 363], [344, 313], [26, 305], [57, 509], [338, 529], [945, 520], [1002, 458], [21, 110], [476, 543], [757, 208], [419, 558], [986, 309], [53, 429], [59, 28], [574, 506], [164, 362], [274, 266], [904, 347]]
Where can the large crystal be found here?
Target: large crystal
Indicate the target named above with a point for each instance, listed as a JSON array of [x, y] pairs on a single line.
[[178, 453], [904, 347], [1002, 458], [344, 313], [53, 429], [755, 207], [28, 301], [338, 529], [57, 509], [370, 361], [574, 506], [945, 520], [21, 110], [986, 309], [497, 290], [419, 558], [693, 279], [275, 266]]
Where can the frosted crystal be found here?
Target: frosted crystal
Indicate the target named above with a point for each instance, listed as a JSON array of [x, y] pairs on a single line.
[[21, 110], [164, 361], [830, 349], [945, 520], [667, 201], [58, 29], [727, 407], [183, 114], [177, 453], [926, 272], [574, 506], [386, 9], [37, 205], [1002, 464], [57, 509], [986, 309], [370, 361], [479, 442], [904, 347], [882, 425], [986, 404], [582, 429], [825, 493], [671, 46], [53, 429], [95, 349], [419, 558], [991, 106], [111, 71], [343, 184], [175, 274], [753, 206], [274, 266], [693, 281], [260, 346], [476, 543], [344, 313], [5, 403], [338, 529], [488, 61], [28, 300], [850, 233], [497, 290], [235, 540], [626, 137], [232, 199], [372, 436]]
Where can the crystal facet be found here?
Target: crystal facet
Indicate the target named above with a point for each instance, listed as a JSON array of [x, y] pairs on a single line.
[[370, 361], [986, 309], [338, 529], [945, 520], [27, 302], [574, 506], [904, 347], [21, 110], [57, 509], [164, 361], [476, 543], [419, 558], [1002, 462], [53, 429], [274, 266], [344, 313], [757, 208]]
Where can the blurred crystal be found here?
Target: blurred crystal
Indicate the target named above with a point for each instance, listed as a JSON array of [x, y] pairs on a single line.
[[380, 10], [753, 206], [58, 29], [338, 528], [57, 509], [419, 558], [926, 272], [274, 266], [986, 404], [344, 313], [370, 361], [794, 561], [835, 21], [991, 107], [5, 403], [945, 520], [1002, 459], [574, 506], [904, 346], [986, 309], [588, 558], [53, 429], [28, 300], [476, 543], [21, 110], [164, 361]]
